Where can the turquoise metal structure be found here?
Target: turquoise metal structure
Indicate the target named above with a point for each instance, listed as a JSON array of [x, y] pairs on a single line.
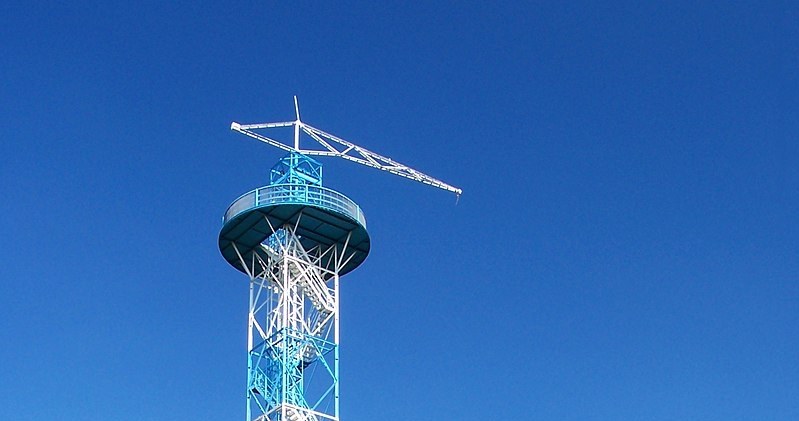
[[294, 239]]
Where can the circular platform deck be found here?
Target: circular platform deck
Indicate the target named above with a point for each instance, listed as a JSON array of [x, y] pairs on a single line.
[[326, 218]]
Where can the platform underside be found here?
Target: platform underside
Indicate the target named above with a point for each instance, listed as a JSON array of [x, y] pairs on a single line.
[[316, 227]]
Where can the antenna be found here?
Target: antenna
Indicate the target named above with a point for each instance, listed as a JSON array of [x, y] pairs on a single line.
[[297, 125]]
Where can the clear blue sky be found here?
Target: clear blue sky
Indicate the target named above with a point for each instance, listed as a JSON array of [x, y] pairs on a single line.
[[626, 248]]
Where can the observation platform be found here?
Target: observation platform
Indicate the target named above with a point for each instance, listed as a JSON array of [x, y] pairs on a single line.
[[326, 217]]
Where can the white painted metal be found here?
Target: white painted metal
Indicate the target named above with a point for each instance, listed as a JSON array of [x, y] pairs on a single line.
[[293, 296], [335, 146]]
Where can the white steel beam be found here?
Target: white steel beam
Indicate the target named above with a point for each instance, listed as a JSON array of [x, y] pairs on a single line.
[[333, 145]]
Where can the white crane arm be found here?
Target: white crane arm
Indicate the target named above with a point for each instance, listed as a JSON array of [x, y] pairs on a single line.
[[335, 146], [245, 129], [366, 157]]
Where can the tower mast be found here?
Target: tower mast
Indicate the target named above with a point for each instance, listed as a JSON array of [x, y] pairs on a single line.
[[294, 239]]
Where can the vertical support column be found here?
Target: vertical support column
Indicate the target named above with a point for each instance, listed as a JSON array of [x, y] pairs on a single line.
[[336, 337], [284, 329], [250, 320]]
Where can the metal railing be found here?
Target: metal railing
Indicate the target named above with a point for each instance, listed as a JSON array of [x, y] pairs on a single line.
[[295, 194]]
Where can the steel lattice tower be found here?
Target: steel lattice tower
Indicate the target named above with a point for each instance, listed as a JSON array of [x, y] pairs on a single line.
[[294, 239]]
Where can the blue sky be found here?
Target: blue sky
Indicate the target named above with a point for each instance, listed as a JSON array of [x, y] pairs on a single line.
[[626, 247]]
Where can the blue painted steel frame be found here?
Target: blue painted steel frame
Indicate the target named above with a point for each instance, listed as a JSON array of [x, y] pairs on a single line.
[[296, 168], [269, 363], [275, 373]]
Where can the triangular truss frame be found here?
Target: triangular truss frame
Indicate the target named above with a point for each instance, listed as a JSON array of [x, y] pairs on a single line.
[[335, 146]]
